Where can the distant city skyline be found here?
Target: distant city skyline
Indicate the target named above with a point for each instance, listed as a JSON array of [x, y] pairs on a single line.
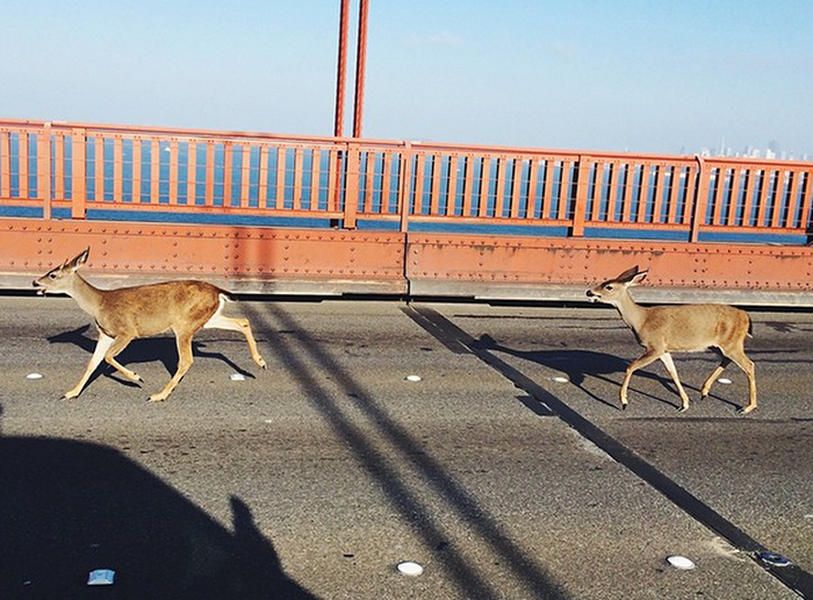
[[588, 74], [772, 150]]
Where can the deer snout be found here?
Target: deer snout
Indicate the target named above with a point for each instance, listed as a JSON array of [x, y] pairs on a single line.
[[592, 295]]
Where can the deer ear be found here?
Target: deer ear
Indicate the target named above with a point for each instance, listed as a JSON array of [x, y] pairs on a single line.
[[638, 278], [80, 259], [627, 275]]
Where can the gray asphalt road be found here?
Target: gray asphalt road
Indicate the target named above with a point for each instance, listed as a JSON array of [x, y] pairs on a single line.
[[316, 477]]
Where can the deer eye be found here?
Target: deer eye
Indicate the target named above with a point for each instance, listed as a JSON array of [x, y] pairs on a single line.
[[51, 275], [608, 287]]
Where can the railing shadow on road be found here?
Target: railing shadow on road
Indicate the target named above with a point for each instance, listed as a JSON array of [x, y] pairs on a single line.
[[577, 365], [68, 507], [471, 582], [142, 350]]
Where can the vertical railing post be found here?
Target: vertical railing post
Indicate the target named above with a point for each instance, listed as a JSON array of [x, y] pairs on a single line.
[[44, 169], [701, 198], [580, 205], [78, 175], [351, 186], [405, 186]]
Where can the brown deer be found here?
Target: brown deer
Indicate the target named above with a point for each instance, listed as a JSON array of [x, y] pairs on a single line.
[[124, 314], [687, 328]]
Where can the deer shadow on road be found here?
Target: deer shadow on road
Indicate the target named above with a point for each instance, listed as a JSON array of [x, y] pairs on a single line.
[[578, 365], [142, 350]]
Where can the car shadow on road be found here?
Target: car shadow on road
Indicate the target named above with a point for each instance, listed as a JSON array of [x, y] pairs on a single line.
[[578, 365], [141, 350], [69, 507]]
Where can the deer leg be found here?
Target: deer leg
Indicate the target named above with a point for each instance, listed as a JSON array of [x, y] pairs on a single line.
[[713, 377], [184, 342], [649, 357], [666, 359], [747, 365], [110, 358], [102, 345], [219, 321]]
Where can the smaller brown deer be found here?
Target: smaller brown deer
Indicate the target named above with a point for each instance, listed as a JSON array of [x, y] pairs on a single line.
[[124, 314], [687, 328]]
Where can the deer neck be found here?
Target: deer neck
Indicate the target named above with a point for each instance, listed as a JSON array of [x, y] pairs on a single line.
[[87, 297], [633, 313]]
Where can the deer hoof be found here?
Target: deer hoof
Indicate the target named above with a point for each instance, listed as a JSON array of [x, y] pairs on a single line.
[[683, 409], [745, 410], [156, 398]]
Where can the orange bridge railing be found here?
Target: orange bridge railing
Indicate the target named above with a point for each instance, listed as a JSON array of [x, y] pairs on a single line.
[[79, 171]]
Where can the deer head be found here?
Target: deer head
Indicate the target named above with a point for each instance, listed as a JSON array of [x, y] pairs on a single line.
[[61, 278], [612, 290]]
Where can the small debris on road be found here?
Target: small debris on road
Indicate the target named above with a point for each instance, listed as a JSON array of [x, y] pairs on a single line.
[[560, 379], [413, 378], [34, 376], [773, 559], [724, 380], [237, 377], [410, 568], [101, 577], [680, 562]]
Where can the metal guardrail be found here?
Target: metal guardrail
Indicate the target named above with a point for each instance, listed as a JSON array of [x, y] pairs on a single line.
[[77, 171], [296, 214]]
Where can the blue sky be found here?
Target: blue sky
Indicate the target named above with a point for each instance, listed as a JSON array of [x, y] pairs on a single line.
[[642, 76]]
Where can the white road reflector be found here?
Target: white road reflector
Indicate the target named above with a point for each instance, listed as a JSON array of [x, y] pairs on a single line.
[[101, 577], [413, 378], [725, 380], [680, 562], [560, 379], [34, 376], [410, 568]]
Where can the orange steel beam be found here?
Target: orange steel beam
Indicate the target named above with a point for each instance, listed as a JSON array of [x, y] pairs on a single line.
[[361, 66], [341, 65], [240, 256], [160, 251], [536, 261]]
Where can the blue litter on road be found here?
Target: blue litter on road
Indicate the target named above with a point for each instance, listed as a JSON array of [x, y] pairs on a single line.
[[101, 577]]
